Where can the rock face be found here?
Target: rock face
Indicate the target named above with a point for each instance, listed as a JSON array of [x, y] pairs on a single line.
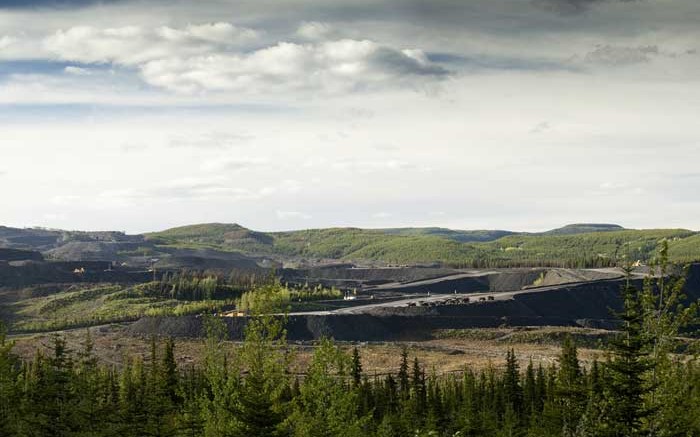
[[37, 239]]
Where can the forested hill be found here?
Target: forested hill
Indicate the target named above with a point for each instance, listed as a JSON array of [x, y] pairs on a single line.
[[580, 245]]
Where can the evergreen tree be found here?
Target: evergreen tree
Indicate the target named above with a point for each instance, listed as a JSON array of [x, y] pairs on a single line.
[[626, 386], [220, 398], [261, 410], [170, 374], [570, 388], [530, 403], [49, 406], [403, 374], [9, 389], [325, 406], [356, 367], [512, 391], [418, 392]]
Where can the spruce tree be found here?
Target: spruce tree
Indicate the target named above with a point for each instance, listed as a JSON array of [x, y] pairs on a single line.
[[570, 388], [9, 389], [626, 386], [170, 378], [512, 390], [356, 367], [261, 407], [530, 391], [403, 374]]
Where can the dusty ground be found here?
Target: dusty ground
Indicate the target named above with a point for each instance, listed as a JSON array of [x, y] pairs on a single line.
[[473, 348]]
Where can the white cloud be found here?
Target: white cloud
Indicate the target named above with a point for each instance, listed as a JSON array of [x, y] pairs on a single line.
[[209, 57], [375, 166], [233, 164], [314, 30], [210, 140], [6, 41], [134, 45], [287, 215], [65, 199], [329, 66], [55, 216], [77, 71], [182, 190], [296, 90], [541, 127], [382, 215], [221, 33]]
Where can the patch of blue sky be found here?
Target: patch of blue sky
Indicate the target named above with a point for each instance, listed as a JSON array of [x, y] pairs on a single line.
[[44, 67], [31, 112]]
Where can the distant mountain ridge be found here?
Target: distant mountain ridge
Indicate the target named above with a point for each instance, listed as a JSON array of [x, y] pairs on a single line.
[[582, 244]]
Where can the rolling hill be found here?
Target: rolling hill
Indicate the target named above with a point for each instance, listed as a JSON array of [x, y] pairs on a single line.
[[577, 245], [580, 245]]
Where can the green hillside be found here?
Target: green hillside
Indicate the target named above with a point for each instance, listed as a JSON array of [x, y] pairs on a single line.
[[567, 246], [222, 236], [452, 234], [375, 245], [596, 248], [584, 228], [685, 249]]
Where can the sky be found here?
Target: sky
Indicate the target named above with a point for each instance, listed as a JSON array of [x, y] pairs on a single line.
[[481, 114]]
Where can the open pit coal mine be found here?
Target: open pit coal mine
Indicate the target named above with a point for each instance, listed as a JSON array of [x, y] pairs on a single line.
[[588, 303]]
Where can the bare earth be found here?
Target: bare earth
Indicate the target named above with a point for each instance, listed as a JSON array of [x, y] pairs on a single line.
[[473, 349]]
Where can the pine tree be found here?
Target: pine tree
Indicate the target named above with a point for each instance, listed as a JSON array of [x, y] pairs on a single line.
[[9, 389], [530, 402], [325, 406], [512, 390], [626, 387], [49, 407], [170, 374], [403, 374], [90, 405], [260, 405], [356, 367], [418, 391], [219, 404], [570, 389]]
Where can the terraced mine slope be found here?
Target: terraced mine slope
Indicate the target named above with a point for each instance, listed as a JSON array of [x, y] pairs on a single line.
[[387, 316]]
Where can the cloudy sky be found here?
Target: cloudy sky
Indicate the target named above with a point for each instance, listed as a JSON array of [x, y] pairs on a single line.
[[516, 114]]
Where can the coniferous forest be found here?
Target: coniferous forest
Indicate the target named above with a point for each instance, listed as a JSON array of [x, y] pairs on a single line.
[[648, 385]]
